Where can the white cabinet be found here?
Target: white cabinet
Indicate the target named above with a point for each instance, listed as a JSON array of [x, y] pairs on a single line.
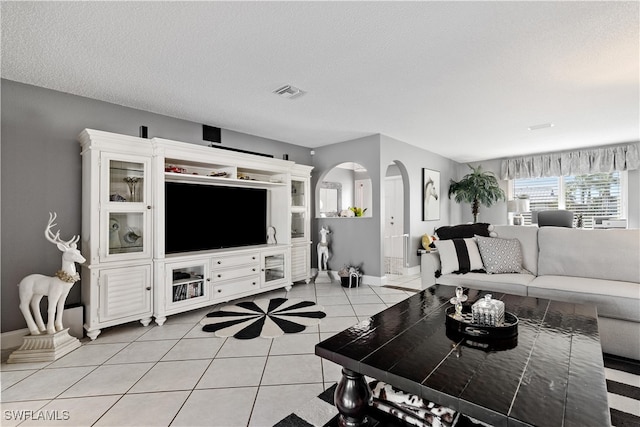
[[300, 223], [274, 269], [124, 294], [186, 286], [117, 238], [131, 275]]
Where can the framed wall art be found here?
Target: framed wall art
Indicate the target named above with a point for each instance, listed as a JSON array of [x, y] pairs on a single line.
[[430, 195]]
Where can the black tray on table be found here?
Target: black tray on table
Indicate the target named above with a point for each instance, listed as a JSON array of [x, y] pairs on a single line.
[[465, 327], [481, 337]]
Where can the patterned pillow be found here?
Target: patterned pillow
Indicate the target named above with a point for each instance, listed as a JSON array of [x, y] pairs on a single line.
[[500, 255], [459, 256]]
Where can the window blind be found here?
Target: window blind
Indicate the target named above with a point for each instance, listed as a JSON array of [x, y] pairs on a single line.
[[591, 195]]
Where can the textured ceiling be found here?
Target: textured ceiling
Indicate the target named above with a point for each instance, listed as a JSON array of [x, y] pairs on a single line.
[[461, 79]]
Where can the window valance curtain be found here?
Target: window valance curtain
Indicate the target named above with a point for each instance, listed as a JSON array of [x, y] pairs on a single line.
[[596, 160]]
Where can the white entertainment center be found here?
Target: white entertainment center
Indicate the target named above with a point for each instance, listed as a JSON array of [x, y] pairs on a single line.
[[130, 276]]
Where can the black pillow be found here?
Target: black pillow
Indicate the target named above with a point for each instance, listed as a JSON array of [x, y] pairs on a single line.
[[463, 231]]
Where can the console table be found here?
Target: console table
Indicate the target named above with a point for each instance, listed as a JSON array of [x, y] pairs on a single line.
[[552, 374]]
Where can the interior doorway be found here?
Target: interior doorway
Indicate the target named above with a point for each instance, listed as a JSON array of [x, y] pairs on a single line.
[[396, 239]]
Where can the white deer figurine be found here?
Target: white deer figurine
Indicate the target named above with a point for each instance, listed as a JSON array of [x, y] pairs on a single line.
[[323, 249], [33, 287]]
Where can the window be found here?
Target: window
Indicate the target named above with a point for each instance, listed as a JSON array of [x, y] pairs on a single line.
[[600, 194]]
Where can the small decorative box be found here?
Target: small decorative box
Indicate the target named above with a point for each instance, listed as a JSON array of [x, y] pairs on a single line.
[[488, 312]]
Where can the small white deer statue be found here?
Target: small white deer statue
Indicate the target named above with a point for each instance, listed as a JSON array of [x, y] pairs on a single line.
[[33, 287]]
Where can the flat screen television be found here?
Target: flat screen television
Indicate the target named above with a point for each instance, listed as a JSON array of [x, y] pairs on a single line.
[[200, 217]]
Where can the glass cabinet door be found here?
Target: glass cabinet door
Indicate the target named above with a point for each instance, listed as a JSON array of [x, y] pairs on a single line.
[[125, 219], [297, 193], [126, 232], [273, 268], [126, 181], [298, 225]]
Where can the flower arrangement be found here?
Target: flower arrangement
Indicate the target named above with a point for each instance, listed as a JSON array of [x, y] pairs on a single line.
[[358, 211]]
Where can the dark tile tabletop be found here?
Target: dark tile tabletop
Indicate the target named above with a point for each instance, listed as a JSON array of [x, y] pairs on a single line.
[[552, 374]]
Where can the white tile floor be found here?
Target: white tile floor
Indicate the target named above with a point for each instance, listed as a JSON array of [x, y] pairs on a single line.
[[179, 375]]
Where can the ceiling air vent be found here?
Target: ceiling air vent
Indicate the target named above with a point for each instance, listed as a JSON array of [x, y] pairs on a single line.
[[288, 91]]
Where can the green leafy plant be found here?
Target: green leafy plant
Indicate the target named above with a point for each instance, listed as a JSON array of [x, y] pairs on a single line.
[[358, 211], [478, 187]]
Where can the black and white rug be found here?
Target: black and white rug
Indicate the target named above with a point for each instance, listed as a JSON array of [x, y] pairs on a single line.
[[623, 386], [267, 318]]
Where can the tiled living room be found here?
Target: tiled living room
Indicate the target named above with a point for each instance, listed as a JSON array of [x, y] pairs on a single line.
[[320, 213], [177, 374]]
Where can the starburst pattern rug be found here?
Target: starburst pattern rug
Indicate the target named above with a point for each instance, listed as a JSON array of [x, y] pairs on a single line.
[[267, 318]]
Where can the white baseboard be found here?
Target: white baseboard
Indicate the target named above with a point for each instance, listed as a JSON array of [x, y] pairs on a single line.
[[415, 270], [12, 339]]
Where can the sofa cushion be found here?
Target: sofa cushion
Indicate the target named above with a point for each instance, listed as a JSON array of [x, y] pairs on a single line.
[[464, 231], [597, 254], [616, 299], [459, 255], [528, 237], [510, 283], [500, 255]]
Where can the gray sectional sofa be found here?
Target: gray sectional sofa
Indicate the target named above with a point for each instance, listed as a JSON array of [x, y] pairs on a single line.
[[583, 266]]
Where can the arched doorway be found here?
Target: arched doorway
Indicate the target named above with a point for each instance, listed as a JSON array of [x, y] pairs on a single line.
[[396, 236]]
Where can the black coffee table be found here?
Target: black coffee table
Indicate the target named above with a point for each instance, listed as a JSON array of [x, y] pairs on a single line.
[[552, 374]]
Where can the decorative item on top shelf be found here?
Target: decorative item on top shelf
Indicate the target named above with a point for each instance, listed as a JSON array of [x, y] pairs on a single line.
[[174, 169], [350, 276], [132, 183], [218, 174], [245, 177]]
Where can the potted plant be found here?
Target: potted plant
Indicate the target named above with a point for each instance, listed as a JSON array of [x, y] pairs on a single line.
[[358, 211], [478, 187]]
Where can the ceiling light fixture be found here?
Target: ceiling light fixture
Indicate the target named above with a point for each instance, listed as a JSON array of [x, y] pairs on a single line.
[[289, 92], [541, 126]]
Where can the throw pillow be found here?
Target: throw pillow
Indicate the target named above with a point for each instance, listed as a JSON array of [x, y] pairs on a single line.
[[464, 231], [500, 255], [459, 256]]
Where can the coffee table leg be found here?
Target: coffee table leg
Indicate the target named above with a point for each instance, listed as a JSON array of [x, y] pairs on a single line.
[[352, 398]]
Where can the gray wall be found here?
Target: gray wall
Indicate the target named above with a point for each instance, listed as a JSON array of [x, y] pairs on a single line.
[[41, 172], [353, 240], [360, 241]]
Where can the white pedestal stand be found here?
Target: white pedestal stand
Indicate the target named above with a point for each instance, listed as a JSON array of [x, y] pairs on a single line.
[[323, 277], [45, 347]]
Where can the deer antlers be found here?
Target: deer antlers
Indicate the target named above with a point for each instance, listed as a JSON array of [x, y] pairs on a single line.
[[55, 239]]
